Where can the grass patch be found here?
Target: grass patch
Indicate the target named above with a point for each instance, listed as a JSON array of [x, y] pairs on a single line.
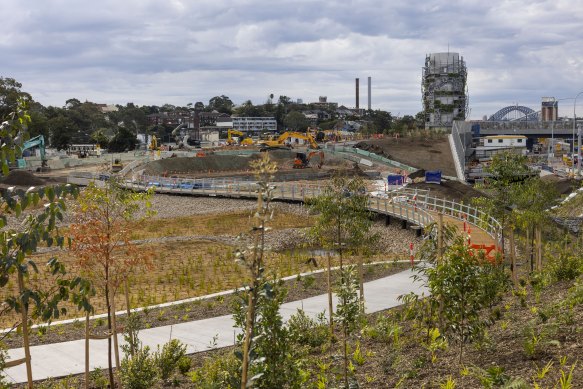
[[223, 224]]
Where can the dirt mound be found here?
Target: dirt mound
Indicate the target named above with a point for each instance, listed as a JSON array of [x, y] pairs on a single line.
[[22, 178], [220, 164], [373, 148], [432, 153], [210, 163], [563, 185]]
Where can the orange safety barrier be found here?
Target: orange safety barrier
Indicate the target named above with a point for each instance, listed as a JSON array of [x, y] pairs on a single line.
[[490, 250]]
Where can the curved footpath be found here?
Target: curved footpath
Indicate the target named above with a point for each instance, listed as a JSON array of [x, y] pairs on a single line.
[[63, 359]]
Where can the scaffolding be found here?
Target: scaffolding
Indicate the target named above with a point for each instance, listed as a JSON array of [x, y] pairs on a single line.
[[444, 89]]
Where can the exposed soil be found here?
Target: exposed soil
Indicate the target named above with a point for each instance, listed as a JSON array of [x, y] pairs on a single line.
[[23, 179], [215, 165], [426, 154], [450, 190]]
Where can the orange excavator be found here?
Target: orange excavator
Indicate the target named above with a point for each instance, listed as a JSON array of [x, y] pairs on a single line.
[[302, 160]]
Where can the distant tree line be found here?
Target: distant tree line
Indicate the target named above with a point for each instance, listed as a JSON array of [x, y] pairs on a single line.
[[85, 122]]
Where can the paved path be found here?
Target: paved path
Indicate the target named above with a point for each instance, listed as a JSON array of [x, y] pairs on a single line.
[[477, 235], [62, 359]]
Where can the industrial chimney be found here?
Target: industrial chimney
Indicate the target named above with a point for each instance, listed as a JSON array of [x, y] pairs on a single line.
[[357, 95], [369, 82]]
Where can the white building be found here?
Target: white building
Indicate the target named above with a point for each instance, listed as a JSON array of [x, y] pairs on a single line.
[[494, 144], [504, 141], [254, 124]]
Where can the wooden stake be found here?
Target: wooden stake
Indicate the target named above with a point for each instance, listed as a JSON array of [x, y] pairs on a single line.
[[512, 256], [114, 332], [330, 307], [360, 281], [539, 248], [439, 236], [24, 314], [129, 311], [87, 350]]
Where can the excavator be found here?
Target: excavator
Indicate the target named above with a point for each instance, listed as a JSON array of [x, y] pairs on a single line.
[[242, 140], [37, 141], [302, 160], [280, 142], [153, 143]]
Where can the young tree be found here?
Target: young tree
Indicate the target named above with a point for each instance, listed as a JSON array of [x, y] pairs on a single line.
[[507, 171], [254, 261], [101, 240], [348, 310], [533, 197], [343, 224], [460, 286], [17, 245]]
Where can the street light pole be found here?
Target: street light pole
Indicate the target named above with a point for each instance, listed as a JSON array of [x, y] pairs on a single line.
[[578, 151], [574, 125]]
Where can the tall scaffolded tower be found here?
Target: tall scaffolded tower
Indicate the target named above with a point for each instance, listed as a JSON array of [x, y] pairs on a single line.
[[444, 89]]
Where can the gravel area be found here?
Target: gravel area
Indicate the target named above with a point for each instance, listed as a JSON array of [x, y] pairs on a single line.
[[392, 239]]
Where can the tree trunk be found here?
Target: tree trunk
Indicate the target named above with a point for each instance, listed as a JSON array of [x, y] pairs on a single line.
[[247, 341], [24, 315]]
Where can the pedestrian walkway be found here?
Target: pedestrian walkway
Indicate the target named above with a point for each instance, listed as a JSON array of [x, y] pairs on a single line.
[[63, 359]]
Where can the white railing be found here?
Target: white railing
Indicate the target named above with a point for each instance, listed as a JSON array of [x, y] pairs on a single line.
[[414, 206]]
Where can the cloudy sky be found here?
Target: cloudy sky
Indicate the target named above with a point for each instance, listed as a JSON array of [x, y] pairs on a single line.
[[178, 52]]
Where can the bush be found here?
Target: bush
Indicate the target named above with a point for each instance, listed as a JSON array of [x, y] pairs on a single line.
[[565, 265], [166, 360], [307, 332], [184, 364], [138, 372], [219, 372]]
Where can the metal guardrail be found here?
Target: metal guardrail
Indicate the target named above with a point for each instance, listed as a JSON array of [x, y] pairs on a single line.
[[458, 150], [227, 187]]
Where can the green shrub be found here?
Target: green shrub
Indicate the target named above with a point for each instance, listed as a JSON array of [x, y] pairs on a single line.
[[566, 264], [166, 360], [138, 372], [184, 365], [307, 332], [218, 372], [98, 379]]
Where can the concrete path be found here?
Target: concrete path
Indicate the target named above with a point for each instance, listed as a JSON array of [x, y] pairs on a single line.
[[63, 359]]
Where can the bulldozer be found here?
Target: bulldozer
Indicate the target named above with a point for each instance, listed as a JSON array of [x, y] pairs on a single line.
[[302, 160]]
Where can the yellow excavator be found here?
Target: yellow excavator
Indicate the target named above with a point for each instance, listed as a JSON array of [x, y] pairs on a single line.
[[153, 143], [280, 142], [242, 140]]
